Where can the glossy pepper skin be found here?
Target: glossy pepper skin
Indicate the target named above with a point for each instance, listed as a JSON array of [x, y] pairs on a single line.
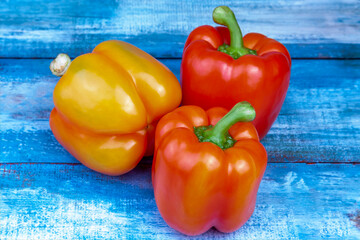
[[254, 69], [199, 185], [108, 103]]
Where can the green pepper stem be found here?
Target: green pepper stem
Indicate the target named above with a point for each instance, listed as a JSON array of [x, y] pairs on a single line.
[[223, 15], [241, 112]]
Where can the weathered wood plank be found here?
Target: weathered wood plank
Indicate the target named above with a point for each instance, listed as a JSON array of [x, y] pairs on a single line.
[[320, 119], [310, 29], [319, 122], [295, 201]]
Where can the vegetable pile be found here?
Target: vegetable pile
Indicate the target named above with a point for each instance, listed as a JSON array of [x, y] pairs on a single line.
[[118, 104]]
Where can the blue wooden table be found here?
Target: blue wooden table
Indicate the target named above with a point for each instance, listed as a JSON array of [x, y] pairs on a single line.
[[311, 187]]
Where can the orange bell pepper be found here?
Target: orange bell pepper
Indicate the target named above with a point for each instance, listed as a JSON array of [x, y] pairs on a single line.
[[108, 103], [205, 176]]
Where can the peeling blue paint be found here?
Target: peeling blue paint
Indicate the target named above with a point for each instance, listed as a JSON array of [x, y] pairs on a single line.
[[47, 194]]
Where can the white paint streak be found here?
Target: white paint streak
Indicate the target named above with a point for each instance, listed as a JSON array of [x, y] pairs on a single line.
[[289, 179], [3, 206], [55, 217], [337, 224], [274, 224], [301, 185]]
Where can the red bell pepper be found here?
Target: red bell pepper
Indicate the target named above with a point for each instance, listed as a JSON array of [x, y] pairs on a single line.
[[205, 176], [254, 69]]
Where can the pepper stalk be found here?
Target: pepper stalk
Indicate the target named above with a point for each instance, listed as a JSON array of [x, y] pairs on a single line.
[[219, 134], [60, 64], [223, 15]]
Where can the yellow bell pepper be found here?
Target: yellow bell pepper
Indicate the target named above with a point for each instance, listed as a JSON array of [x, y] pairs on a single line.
[[108, 103]]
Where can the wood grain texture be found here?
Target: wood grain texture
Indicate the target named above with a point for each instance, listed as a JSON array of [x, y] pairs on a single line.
[[309, 29], [319, 121], [49, 201], [46, 194]]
